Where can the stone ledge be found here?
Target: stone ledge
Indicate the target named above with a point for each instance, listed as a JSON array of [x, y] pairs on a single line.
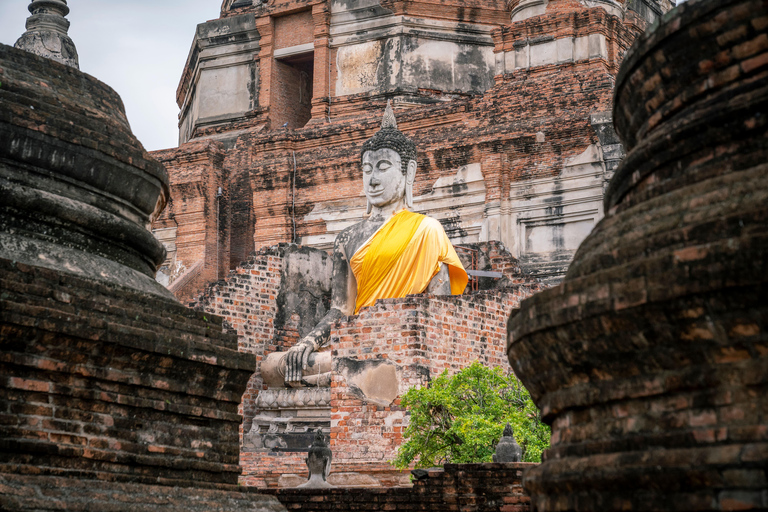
[[38, 494]]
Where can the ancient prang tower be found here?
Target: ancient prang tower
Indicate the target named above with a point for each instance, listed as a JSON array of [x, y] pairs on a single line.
[[507, 100]]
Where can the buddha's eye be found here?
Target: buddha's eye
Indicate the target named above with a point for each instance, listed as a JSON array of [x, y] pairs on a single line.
[[367, 168], [384, 165]]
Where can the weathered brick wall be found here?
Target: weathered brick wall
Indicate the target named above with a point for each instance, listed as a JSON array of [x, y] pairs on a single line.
[[113, 396], [293, 94], [100, 381], [650, 360], [489, 130], [456, 487], [454, 331], [564, 20], [423, 335], [524, 128], [197, 212], [247, 301], [294, 29]]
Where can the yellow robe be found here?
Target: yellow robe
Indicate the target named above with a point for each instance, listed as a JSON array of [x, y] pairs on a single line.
[[402, 257]]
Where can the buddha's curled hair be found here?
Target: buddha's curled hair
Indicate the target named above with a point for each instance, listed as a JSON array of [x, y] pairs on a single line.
[[392, 138]]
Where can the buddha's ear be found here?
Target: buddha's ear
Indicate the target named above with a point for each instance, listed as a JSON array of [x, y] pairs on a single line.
[[410, 176]]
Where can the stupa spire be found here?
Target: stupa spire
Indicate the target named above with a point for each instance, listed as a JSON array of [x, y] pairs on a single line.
[[46, 33]]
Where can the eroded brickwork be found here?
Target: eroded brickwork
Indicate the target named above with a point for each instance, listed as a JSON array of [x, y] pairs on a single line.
[[528, 128], [247, 301], [195, 223], [422, 335], [456, 487], [650, 359], [103, 384]]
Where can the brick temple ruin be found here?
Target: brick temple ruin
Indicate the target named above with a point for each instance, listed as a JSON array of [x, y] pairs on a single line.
[[509, 105], [649, 360], [508, 102]]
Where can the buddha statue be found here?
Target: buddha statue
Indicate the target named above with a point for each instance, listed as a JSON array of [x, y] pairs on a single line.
[[318, 464], [392, 253]]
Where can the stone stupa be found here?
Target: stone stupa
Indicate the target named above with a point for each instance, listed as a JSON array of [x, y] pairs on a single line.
[[115, 397]]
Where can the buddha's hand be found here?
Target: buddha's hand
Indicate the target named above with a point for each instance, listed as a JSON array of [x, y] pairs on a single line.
[[296, 361]]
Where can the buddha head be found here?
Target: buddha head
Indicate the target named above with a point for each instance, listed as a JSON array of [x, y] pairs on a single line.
[[389, 165]]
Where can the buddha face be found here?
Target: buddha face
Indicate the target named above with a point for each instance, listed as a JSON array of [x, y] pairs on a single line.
[[383, 180]]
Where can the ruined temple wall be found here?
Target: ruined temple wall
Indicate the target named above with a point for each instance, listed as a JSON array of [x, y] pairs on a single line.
[[377, 356], [265, 301], [414, 339], [510, 150], [247, 301], [194, 227]]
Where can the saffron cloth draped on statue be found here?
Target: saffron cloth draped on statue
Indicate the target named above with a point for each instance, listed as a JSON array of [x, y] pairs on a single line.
[[402, 257]]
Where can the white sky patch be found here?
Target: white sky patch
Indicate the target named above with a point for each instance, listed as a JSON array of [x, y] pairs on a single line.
[[137, 47]]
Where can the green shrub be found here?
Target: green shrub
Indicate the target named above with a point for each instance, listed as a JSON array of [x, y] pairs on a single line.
[[460, 418]]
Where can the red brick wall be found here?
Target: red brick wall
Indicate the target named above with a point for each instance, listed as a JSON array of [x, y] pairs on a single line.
[[246, 300], [195, 208], [469, 11], [294, 29], [497, 129], [566, 20], [99, 381], [292, 100], [422, 335], [556, 100], [464, 487]]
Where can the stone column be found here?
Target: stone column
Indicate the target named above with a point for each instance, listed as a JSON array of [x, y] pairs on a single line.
[[322, 80], [46, 33]]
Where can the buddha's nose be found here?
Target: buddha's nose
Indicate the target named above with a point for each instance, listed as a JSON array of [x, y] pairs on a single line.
[[375, 182]]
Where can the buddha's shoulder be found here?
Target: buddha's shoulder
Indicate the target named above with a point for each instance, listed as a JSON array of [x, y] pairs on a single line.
[[354, 235], [431, 224]]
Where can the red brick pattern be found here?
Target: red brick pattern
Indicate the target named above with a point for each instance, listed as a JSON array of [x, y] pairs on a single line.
[[197, 210], [422, 335], [246, 300], [571, 20], [497, 129], [651, 359], [456, 487], [100, 381], [294, 29]]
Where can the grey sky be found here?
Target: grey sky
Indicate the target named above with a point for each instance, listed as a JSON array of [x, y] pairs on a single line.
[[137, 47]]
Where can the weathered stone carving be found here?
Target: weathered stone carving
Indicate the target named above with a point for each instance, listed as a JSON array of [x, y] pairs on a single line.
[[287, 417], [508, 450], [76, 197], [318, 463], [302, 397], [46, 33]]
